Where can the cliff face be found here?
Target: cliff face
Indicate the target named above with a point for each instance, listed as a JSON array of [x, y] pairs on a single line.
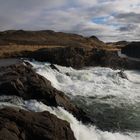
[[81, 57], [132, 49]]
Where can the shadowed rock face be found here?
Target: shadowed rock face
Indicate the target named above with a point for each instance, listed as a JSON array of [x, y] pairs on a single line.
[[80, 57], [132, 49], [23, 125], [70, 56], [21, 80]]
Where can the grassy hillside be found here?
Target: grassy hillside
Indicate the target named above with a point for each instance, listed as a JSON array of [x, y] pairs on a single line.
[[48, 38]]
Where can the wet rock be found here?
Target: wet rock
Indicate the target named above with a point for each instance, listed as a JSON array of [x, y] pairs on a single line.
[[21, 80], [67, 74], [122, 75], [54, 67], [24, 125]]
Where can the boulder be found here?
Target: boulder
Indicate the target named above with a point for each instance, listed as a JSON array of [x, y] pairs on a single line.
[[24, 125], [21, 80], [54, 67], [122, 74]]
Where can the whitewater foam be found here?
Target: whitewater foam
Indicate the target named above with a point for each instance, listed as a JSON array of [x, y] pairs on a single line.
[[81, 132], [93, 82], [101, 93]]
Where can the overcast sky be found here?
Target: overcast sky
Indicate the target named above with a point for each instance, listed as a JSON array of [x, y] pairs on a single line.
[[110, 20]]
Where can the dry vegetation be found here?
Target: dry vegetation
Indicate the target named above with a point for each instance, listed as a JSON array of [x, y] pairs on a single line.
[[10, 50], [7, 51], [14, 43]]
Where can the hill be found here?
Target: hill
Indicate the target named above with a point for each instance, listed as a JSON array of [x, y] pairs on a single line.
[[48, 37]]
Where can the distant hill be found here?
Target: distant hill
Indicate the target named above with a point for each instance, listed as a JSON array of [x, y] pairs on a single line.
[[48, 37], [118, 44]]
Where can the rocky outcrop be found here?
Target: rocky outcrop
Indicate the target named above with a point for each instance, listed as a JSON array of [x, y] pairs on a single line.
[[24, 125], [122, 75], [132, 49], [111, 59], [70, 56], [21, 80], [81, 57]]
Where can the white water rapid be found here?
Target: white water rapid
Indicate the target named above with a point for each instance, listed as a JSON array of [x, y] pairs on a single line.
[[109, 96], [93, 82], [101, 92], [81, 132]]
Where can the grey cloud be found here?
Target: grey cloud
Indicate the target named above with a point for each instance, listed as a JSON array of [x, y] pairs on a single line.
[[129, 17], [16, 13], [129, 27], [71, 16]]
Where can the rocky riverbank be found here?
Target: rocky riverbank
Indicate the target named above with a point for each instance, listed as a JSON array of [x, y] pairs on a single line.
[[19, 79], [16, 124]]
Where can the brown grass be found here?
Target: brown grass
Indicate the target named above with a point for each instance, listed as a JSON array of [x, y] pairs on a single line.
[[12, 50], [9, 50]]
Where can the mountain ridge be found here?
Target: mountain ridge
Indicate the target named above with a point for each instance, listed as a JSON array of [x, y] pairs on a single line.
[[48, 37]]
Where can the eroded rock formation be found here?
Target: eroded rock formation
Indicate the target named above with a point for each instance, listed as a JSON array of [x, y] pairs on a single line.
[[25, 125]]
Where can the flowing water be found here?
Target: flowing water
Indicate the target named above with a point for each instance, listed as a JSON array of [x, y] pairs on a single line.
[[110, 97], [81, 132]]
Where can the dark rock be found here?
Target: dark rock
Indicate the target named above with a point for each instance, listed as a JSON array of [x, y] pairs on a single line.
[[132, 49], [122, 74], [67, 74], [54, 67], [111, 59], [21, 80], [69, 56], [81, 57], [24, 125]]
